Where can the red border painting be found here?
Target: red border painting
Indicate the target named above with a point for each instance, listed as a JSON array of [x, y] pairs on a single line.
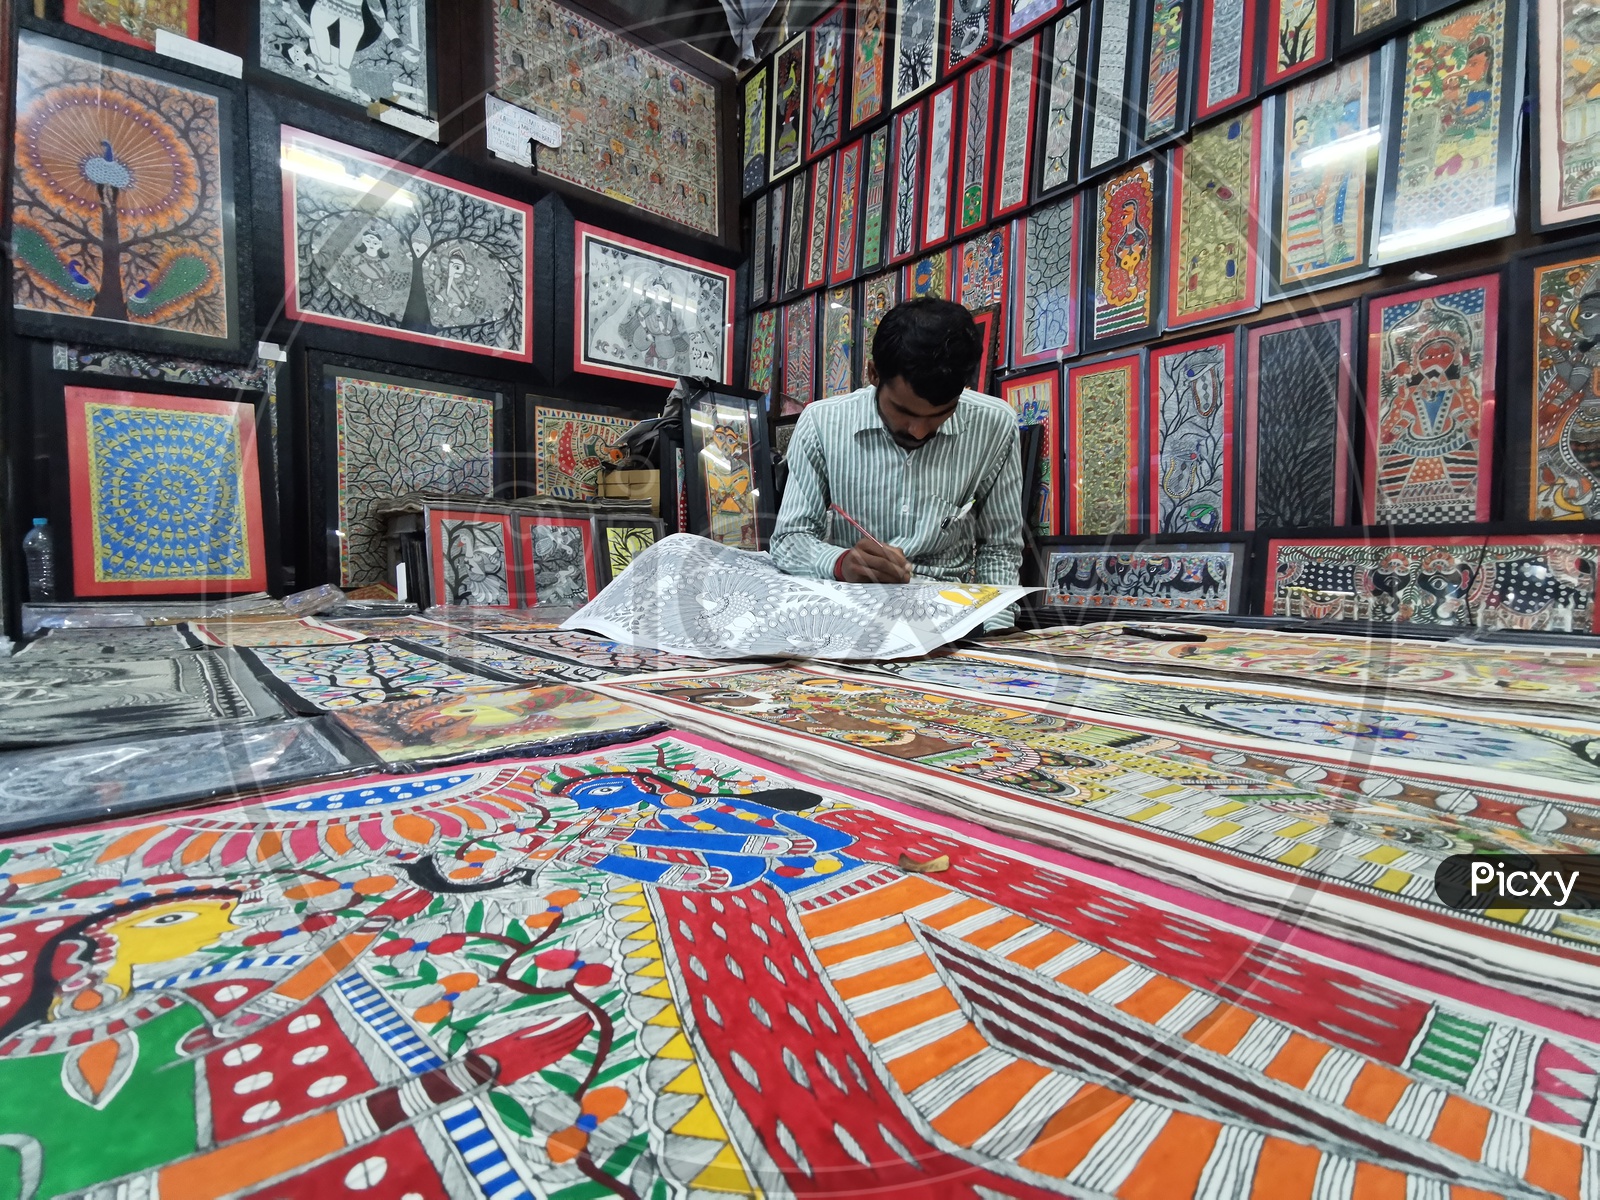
[[436, 516], [1179, 236], [1133, 364], [1008, 104], [1204, 109], [949, 67], [1021, 17], [1051, 449], [1070, 303], [1228, 343], [814, 89], [72, 12], [845, 216], [1320, 51], [896, 143], [979, 209], [925, 239], [525, 576]]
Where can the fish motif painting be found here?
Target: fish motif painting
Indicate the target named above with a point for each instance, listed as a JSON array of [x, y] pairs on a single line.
[[1191, 435], [570, 448], [1121, 304], [1562, 425], [1212, 264], [1105, 421]]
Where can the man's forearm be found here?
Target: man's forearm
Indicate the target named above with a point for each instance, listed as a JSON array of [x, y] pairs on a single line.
[[801, 552]]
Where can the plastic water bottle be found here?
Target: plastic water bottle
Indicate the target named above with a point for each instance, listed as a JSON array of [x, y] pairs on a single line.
[[39, 549]]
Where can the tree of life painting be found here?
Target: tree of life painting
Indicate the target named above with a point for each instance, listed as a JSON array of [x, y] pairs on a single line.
[[1566, 402], [121, 200], [359, 50], [1191, 455], [377, 246]]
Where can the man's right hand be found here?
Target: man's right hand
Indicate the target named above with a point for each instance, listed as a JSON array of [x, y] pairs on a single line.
[[873, 562]]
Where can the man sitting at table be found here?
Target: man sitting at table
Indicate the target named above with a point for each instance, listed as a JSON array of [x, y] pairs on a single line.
[[929, 468]]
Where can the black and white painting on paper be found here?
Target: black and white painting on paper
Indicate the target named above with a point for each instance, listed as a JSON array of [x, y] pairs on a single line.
[[358, 50], [474, 563], [560, 566]]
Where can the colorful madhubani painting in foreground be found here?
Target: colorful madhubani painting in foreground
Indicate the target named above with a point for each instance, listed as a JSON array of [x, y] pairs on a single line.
[[1563, 423], [660, 969]]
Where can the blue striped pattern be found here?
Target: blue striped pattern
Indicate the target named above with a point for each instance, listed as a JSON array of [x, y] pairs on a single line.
[[257, 962], [385, 1020], [485, 1157]]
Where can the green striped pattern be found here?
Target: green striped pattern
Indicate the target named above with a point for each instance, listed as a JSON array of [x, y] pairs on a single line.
[[1450, 1048]]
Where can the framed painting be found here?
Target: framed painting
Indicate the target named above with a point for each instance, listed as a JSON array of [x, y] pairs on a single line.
[[800, 351], [1213, 267], [126, 172], [1019, 16], [1191, 435], [869, 60], [928, 276], [1059, 110], [818, 210], [728, 470], [637, 127], [990, 323], [774, 235], [648, 315], [1554, 423], [571, 447], [878, 295], [916, 50], [1224, 65], [1113, 45], [1164, 113], [753, 148], [134, 22], [968, 33], [1013, 162], [763, 350], [472, 558], [875, 213], [1154, 578], [557, 560], [382, 435], [620, 540], [165, 495], [760, 219], [846, 215], [375, 246], [796, 246], [1122, 250], [825, 64], [838, 341], [905, 201], [1567, 147], [1361, 22], [788, 106], [1044, 287], [1297, 36], [1104, 420], [1430, 402], [981, 271], [1450, 180], [381, 54], [1036, 399], [940, 156], [1298, 382], [1324, 175], [972, 170]]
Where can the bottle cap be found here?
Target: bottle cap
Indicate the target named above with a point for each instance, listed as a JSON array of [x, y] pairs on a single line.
[[38, 521]]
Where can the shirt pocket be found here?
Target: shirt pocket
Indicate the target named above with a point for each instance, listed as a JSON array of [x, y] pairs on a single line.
[[953, 528]]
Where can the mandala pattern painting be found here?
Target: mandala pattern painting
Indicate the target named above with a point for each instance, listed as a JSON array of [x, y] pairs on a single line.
[[1191, 436], [396, 436], [122, 201], [636, 126], [1563, 423], [1104, 420], [691, 596], [1568, 121], [166, 495], [648, 315], [375, 246], [1216, 184], [570, 448], [1122, 303], [359, 50], [1430, 402], [1148, 579], [135, 21]]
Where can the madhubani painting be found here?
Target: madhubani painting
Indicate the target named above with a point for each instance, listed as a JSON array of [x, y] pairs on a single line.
[[875, 215], [259, 376], [1045, 272], [869, 60], [166, 495], [1104, 420], [375, 246], [135, 21], [1538, 583], [1298, 37], [788, 105], [1215, 222], [1149, 578], [775, 245], [393, 436], [928, 276], [1013, 164], [799, 350], [570, 447], [622, 542], [720, 440], [646, 314], [981, 270], [971, 175], [1456, 121], [122, 204], [1226, 57], [878, 296], [314, 679], [1191, 435], [635, 126], [759, 221], [471, 556], [816, 268], [558, 561], [1166, 75], [1035, 400], [969, 31], [825, 82], [1430, 402], [1564, 417], [1568, 121], [1105, 94], [359, 50], [916, 50], [1297, 390], [763, 348], [1018, 16], [907, 180], [846, 215], [937, 218], [1058, 97], [796, 248], [1122, 298], [838, 341], [753, 156], [1323, 206]]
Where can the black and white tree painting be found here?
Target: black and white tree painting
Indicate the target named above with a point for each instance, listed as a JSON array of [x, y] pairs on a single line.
[[360, 50]]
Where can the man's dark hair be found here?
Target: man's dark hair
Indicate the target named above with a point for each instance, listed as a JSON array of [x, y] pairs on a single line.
[[932, 344]]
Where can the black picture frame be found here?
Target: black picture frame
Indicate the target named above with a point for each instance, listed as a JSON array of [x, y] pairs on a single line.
[[1050, 51], [753, 409], [1347, 39], [1238, 548], [602, 549], [1157, 252], [1183, 102], [1091, 102]]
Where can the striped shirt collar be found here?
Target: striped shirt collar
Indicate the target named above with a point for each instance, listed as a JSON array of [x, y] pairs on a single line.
[[867, 418]]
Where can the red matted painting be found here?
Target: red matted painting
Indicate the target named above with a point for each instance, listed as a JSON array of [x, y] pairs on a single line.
[[1224, 66], [1104, 428], [647, 314], [980, 271], [1044, 282], [943, 124], [1035, 398], [376, 246], [1213, 260], [1013, 155], [556, 560], [846, 214], [1191, 435], [1018, 16], [825, 72], [1298, 36], [905, 180], [135, 21], [471, 558], [972, 183], [205, 535]]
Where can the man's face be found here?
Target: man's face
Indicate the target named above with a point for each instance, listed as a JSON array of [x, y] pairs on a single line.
[[910, 420]]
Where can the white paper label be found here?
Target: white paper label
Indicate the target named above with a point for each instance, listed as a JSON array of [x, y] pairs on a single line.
[[271, 351], [422, 127], [509, 129], [198, 54]]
